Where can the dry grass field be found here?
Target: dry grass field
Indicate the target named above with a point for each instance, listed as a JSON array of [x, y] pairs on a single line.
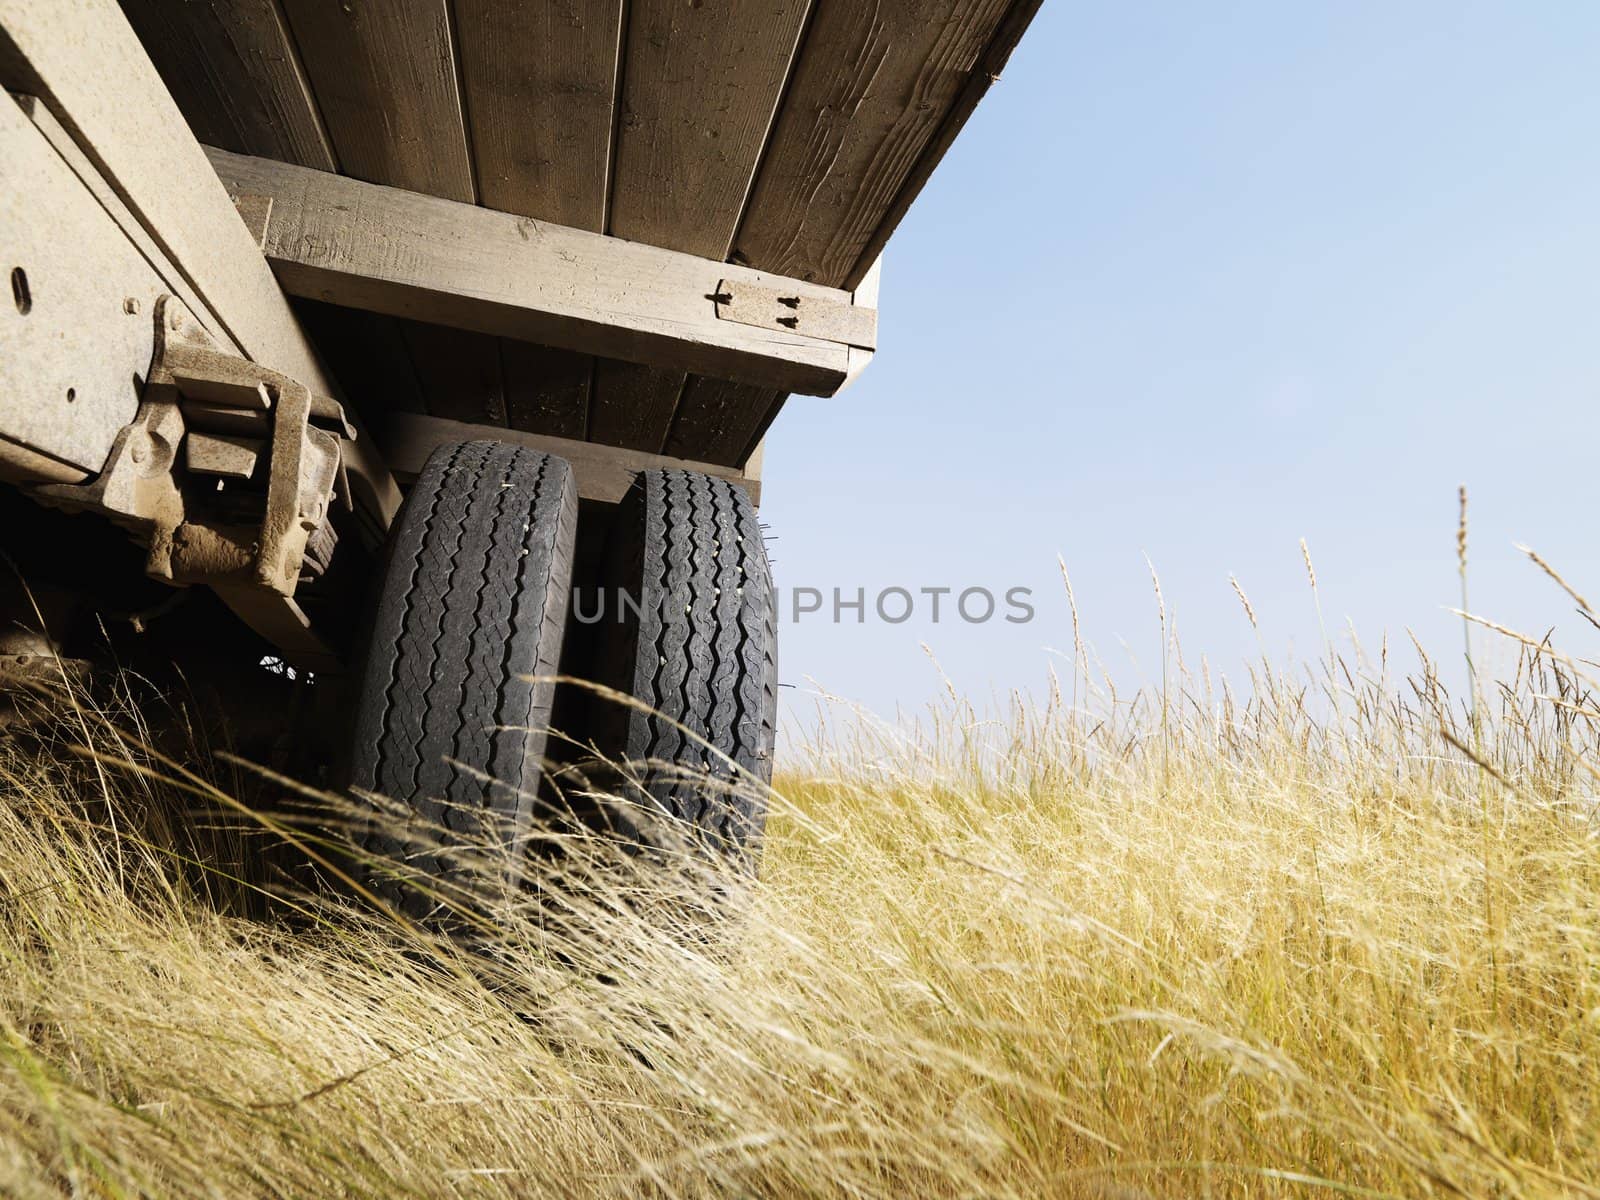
[[1339, 936]]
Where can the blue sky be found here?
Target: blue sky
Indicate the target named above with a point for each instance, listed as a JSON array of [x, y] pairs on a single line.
[[1198, 281]]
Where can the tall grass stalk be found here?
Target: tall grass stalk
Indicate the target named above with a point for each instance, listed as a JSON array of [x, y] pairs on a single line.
[[1261, 960]]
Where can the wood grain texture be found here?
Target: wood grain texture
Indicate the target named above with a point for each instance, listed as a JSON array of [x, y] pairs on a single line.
[[877, 97], [986, 73], [701, 81], [725, 422], [547, 390], [459, 372], [234, 72], [716, 420], [409, 255], [632, 405], [868, 95], [383, 72], [540, 85]]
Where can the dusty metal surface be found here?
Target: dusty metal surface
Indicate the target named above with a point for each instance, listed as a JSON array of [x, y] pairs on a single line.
[[227, 456], [89, 71], [234, 512], [77, 323], [18, 464], [774, 306]]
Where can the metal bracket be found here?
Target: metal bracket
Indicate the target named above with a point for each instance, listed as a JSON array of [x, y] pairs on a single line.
[[256, 478], [779, 308]]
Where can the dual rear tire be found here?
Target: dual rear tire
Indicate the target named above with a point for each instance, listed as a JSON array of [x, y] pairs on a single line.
[[455, 694], [695, 646]]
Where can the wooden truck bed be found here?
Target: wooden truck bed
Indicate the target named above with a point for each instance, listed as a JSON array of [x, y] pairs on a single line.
[[554, 264], [788, 136]]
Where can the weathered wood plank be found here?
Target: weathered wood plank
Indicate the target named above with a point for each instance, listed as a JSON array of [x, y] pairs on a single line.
[[540, 84], [459, 372], [603, 472], [384, 75], [979, 80], [867, 98], [716, 420], [234, 72], [547, 390], [409, 255], [84, 61], [875, 99], [633, 405], [725, 422], [700, 84]]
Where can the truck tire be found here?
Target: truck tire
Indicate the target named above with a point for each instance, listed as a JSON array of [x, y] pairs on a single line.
[[472, 605], [698, 649]]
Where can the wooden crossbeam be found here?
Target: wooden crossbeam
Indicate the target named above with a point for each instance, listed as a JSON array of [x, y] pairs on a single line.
[[409, 255], [602, 472]]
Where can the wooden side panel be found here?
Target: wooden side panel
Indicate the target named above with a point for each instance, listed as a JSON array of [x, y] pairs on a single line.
[[540, 81], [384, 75], [868, 95], [876, 97], [633, 405], [979, 79], [700, 84], [716, 421], [540, 84], [547, 390], [459, 372], [233, 70]]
